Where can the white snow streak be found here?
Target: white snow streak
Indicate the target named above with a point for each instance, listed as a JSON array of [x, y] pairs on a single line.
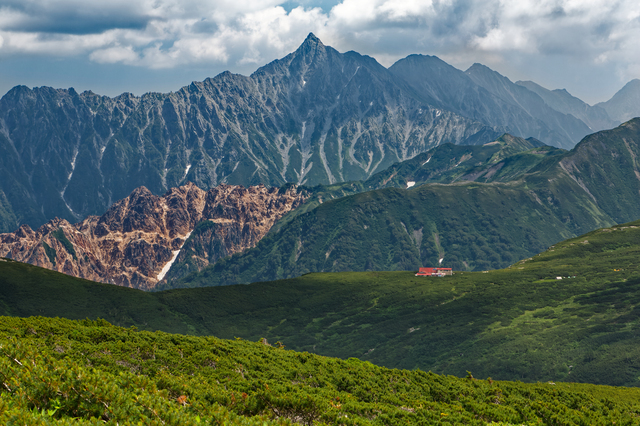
[[166, 267], [410, 184], [186, 172], [73, 165]]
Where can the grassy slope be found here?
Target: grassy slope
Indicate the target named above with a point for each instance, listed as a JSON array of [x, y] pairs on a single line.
[[61, 372], [473, 226], [518, 323], [489, 208]]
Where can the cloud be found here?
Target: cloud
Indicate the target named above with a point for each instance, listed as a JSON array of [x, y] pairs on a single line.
[[240, 33], [124, 54]]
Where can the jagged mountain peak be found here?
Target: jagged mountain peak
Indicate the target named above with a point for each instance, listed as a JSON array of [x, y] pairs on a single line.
[[418, 57], [311, 40], [478, 70], [425, 64], [635, 84]]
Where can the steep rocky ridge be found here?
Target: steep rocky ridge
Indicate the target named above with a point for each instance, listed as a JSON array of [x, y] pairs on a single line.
[[136, 241], [316, 116], [486, 96], [552, 125]]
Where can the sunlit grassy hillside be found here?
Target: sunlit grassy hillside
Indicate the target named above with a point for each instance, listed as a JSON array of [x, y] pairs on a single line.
[[520, 323]]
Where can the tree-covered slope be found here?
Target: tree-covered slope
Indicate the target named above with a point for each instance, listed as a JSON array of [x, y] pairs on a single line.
[[520, 323], [471, 226], [482, 213], [58, 372]]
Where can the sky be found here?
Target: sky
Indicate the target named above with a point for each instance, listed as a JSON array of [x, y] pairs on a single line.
[[589, 47]]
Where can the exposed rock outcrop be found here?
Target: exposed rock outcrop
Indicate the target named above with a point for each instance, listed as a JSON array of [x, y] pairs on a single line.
[[136, 241]]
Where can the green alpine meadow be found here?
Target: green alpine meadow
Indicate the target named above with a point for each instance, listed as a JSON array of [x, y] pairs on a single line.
[[566, 316]]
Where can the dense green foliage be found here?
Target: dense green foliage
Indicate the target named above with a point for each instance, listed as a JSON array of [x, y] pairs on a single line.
[[50, 252], [59, 235], [480, 208], [519, 323], [55, 371]]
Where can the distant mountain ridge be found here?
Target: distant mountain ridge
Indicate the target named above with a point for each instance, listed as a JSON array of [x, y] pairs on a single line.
[[316, 116], [595, 117], [625, 104]]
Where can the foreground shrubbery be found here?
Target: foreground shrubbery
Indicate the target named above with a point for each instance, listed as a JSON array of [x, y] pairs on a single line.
[[55, 371]]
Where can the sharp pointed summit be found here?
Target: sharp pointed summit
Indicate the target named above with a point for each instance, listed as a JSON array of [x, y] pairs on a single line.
[[311, 39]]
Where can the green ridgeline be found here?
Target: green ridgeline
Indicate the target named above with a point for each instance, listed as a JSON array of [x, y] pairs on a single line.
[[61, 372], [474, 226], [520, 323], [480, 207]]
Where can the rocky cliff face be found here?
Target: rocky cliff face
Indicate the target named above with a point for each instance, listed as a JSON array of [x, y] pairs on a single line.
[[315, 116], [137, 240]]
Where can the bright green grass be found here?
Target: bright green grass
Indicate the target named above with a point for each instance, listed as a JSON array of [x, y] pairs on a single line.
[[518, 323], [59, 372]]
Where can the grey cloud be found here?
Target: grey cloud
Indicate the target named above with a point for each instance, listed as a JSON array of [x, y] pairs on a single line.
[[205, 26], [72, 18], [78, 24]]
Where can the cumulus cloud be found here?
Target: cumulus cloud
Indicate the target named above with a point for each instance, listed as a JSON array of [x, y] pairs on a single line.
[[172, 33]]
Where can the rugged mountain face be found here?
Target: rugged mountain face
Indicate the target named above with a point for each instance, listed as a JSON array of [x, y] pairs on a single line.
[[486, 96], [593, 116], [137, 240], [545, 123], [316, 116], [484, 216], [625, 104]]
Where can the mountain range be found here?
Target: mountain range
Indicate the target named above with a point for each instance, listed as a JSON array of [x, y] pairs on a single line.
[[316, 116], [469, 207]]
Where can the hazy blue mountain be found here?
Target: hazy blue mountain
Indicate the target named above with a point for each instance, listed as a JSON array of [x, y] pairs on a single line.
[[559, 99], [625, 104], [486, 96], [563, 129]]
